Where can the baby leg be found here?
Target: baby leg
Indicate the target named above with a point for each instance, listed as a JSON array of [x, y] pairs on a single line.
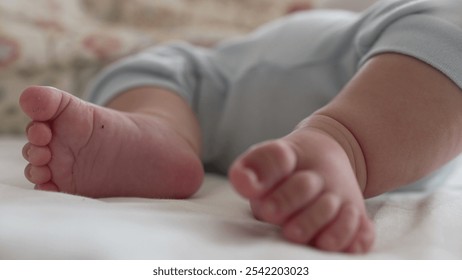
[[396, 121]]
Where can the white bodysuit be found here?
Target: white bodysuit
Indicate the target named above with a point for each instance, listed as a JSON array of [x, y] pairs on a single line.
[[259, 87]]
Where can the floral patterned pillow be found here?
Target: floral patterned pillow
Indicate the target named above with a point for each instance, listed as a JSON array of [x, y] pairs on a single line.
[[63, 43]]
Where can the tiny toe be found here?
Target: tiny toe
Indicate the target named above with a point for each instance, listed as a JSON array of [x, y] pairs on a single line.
[[291, 195], [37, 174], [340, 233], [304, 226], [36, 155], [261, 167], [39, 133], [244, 180], [50, 187]]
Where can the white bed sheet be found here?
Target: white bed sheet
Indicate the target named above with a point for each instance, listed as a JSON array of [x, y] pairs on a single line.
[[214, 224]]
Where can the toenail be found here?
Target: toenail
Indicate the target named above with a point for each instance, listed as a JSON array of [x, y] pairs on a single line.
[[25, 152], [32, 174], [39, 175], [251, 175], [27, 172]]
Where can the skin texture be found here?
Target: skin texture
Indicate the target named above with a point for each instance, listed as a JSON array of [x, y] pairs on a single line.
[[79, 148], [397, 120]]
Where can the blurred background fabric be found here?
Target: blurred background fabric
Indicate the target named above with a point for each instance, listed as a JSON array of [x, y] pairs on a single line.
[[64, 43]]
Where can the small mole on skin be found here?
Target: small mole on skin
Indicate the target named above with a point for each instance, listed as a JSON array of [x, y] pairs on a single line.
[[102, 126]]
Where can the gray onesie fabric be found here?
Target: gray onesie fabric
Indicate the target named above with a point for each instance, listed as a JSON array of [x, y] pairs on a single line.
[[259, 87]]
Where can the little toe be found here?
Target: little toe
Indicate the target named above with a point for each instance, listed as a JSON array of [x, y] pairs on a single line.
[[42, 103], [37, 174], [340, 233], [36, 155], [39, 133], [261, 167], [304, 226], [290, 196], [50, 187]]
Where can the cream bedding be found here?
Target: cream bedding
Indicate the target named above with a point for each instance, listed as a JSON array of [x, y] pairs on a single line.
[[215, 224]]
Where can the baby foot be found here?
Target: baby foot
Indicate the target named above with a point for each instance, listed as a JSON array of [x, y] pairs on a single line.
[[79, 148], [304, 182]]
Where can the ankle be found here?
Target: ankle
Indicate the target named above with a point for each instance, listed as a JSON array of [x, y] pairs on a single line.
[[146, 119], [343, 137], [167, 107]]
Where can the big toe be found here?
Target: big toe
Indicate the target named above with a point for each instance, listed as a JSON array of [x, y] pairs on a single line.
[[262, 167], [42, 103]]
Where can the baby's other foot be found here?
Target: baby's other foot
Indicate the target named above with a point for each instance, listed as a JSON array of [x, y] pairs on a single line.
[[304, 182], [79, 148]]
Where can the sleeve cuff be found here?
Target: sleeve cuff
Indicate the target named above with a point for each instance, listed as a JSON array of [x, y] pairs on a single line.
[[425, 37]]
